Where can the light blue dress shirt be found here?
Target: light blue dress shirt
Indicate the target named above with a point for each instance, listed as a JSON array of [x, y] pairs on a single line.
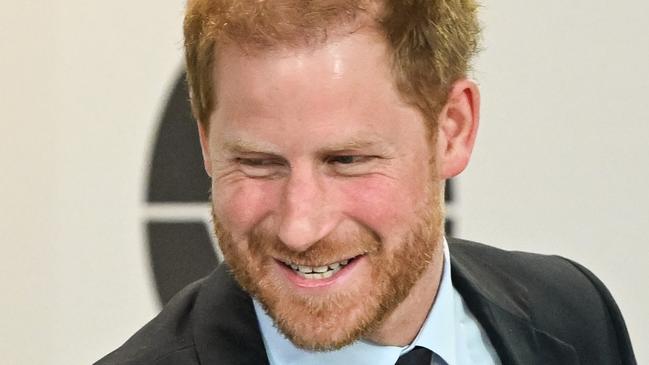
[[450, 331]]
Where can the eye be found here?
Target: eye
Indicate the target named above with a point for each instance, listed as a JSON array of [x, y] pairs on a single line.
[[347, 159], [260, 167], [257, 162], [352, 165]]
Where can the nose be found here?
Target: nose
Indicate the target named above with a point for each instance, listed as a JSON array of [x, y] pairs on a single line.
[[306, 213]]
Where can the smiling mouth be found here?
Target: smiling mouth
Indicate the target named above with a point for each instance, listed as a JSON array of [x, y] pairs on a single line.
[[318, 272]]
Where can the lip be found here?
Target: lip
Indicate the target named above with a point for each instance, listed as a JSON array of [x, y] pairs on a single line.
[[337, 278]]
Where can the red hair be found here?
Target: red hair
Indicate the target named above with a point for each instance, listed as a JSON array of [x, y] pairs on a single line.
[[431, 41]]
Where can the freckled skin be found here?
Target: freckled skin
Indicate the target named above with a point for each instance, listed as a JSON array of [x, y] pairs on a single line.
[[309, 144]]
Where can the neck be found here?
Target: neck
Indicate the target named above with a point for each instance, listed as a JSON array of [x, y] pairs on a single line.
[[402, 326]]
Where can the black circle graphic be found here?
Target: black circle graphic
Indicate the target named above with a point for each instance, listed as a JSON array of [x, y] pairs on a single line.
[[178, 228], [179, 241]]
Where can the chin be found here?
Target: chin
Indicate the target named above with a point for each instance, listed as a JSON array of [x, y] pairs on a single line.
[[323, 322]]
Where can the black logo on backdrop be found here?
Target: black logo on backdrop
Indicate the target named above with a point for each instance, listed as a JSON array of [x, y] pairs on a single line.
[[178, 228]]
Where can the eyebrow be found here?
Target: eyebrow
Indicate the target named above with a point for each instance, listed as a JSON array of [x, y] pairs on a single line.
[[242, 146], [356, 144]]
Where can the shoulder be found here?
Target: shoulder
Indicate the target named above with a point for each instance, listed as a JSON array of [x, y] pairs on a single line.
[[534, 274], [557, 295], [535, 271], [166, 339], [210, 321]]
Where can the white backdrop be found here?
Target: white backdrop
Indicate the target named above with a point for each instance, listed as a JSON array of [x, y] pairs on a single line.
[[560, 165]]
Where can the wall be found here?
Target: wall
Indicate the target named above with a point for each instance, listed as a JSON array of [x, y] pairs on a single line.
[[560, 165]]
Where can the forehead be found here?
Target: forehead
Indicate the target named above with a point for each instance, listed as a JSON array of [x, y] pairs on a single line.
[[356, 64], [344, 85], [343, 57]]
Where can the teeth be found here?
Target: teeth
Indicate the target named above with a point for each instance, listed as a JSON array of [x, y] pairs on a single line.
[[318, 272], [334, 266], [316, 276]]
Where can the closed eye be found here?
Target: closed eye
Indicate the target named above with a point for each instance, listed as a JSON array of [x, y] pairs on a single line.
[[348, 159], [259, 162], [261, 167]]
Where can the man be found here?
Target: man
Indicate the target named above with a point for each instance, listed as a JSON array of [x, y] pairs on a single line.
[[328, 128]]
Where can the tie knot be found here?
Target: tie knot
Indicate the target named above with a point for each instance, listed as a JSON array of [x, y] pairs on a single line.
[[417, 356]]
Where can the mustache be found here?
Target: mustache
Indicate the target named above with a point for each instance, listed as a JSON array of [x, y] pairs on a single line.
[[332, 248]]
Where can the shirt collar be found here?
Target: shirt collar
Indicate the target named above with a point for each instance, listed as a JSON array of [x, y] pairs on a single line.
[[437, 334]]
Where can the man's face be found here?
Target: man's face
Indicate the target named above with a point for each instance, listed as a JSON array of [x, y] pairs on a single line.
[[326, 200]]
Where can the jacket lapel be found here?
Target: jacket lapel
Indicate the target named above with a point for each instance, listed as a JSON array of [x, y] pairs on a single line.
[[226, 329], [501, 306]]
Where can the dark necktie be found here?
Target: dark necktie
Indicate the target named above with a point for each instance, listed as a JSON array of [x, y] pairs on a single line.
[[417, 356]]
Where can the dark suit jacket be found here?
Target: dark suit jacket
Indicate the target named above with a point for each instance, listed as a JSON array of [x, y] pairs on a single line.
[[535, 309]]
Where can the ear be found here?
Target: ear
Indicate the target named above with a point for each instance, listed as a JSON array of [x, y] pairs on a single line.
[[457, 128], [203, 136]]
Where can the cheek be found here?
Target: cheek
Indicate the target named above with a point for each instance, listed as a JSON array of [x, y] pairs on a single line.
[[242, 204], [383, 204]]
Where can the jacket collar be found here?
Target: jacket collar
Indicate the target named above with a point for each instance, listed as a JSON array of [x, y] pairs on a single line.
[[501, 306], [226, 330]]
